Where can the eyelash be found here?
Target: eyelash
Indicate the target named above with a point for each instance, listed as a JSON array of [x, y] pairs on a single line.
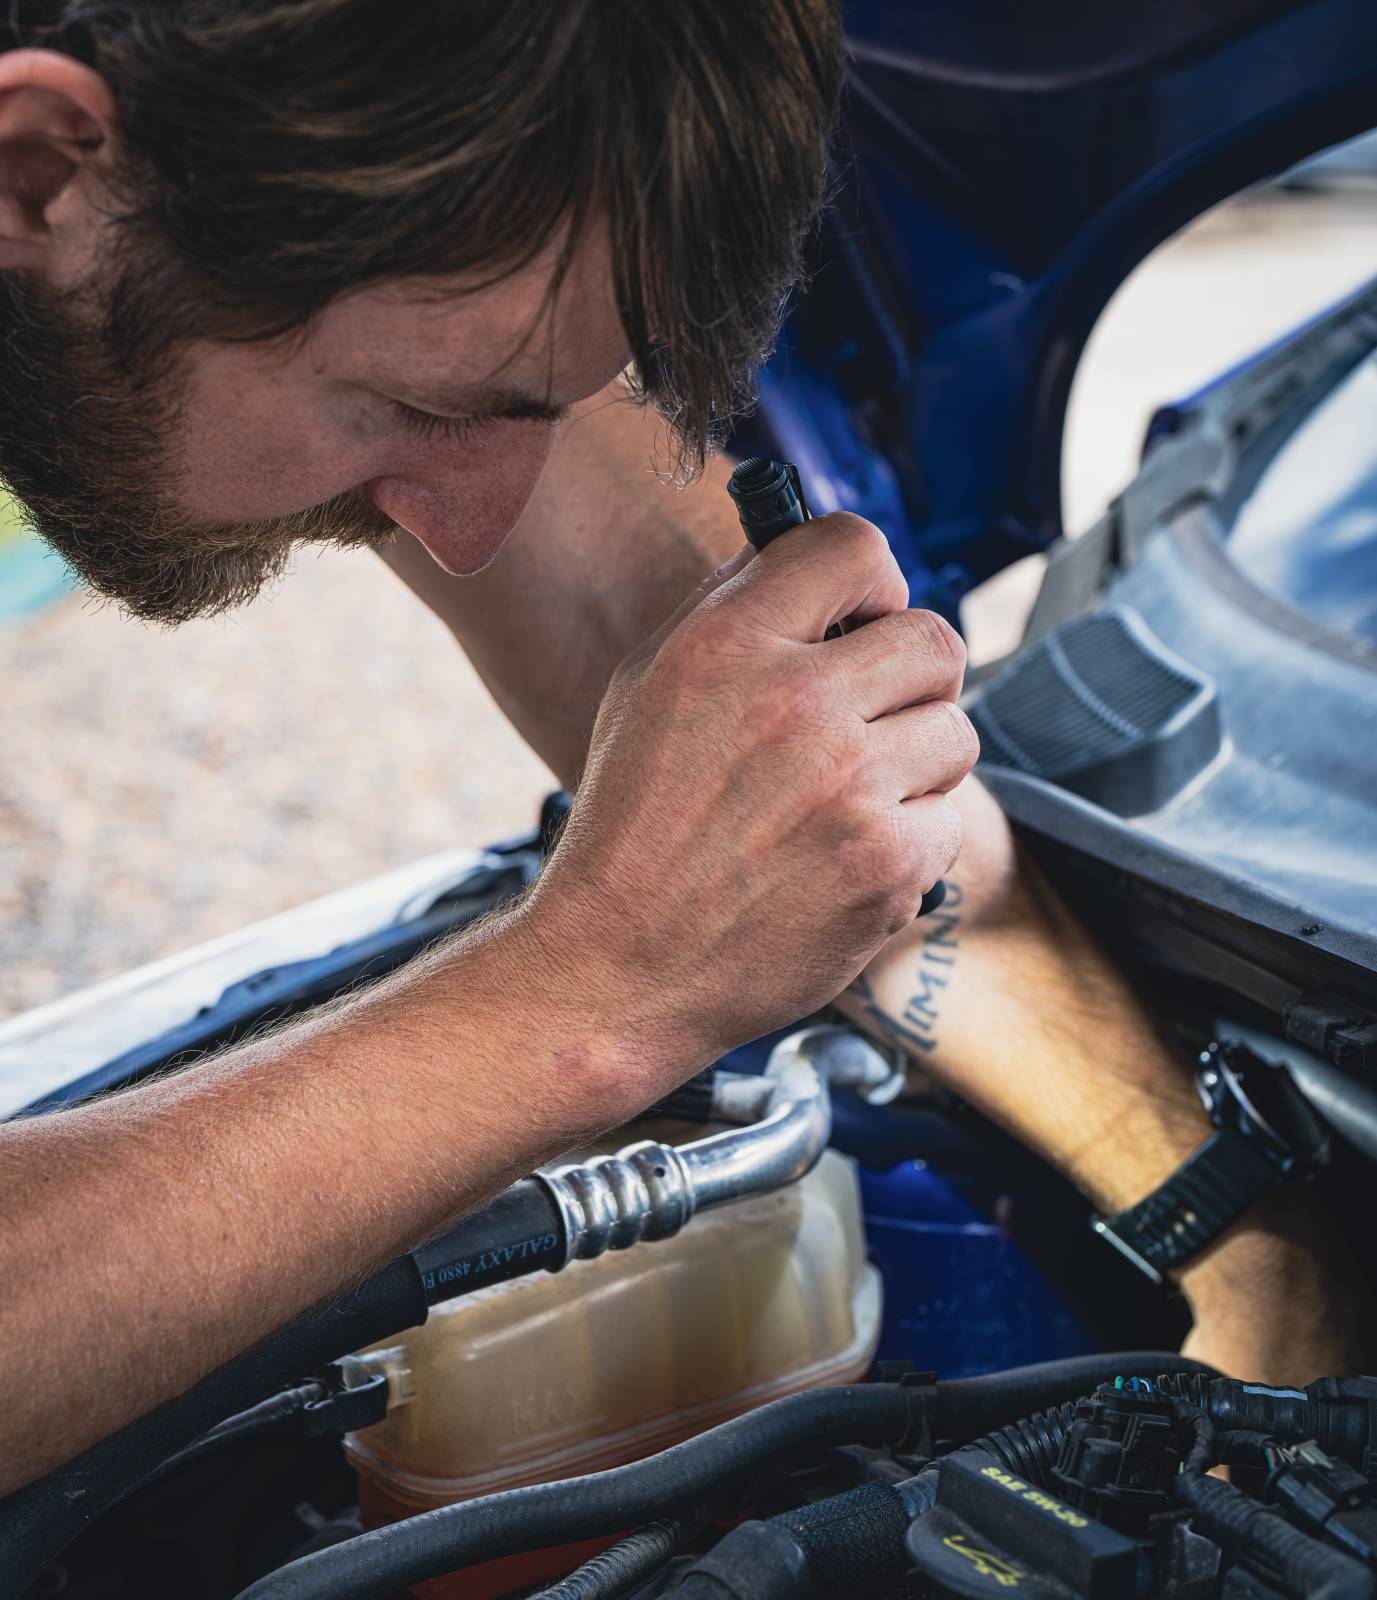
[[429, 423]]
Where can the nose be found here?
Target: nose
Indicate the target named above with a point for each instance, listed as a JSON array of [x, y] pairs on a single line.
[[461, 507]]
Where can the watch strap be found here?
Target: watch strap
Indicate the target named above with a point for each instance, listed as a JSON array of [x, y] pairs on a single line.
[[1193, 1207]]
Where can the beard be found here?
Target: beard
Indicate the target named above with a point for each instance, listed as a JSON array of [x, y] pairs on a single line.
[[85, 415]]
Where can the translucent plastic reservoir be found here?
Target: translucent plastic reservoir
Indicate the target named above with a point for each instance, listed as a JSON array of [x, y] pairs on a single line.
[[610, 1360]]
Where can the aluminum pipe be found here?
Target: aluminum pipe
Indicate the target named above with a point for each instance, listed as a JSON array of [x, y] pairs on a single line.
[[650, 1191]]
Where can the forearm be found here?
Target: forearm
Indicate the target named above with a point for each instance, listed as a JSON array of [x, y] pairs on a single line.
[[604, 551], [1004, 997], [1003, 993], [153, 1235]]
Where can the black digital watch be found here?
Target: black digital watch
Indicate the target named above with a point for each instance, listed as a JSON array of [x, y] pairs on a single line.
[[1265, 1134]]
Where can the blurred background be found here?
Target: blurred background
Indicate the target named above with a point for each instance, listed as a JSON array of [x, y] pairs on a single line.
[[158, 789]]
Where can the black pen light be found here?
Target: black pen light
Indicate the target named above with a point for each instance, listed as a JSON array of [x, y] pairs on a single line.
[[769, 500]]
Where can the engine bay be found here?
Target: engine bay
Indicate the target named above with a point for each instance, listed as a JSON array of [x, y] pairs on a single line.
[[689, 1403]]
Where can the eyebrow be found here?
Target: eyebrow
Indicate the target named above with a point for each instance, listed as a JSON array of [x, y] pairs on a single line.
[[509, 405]]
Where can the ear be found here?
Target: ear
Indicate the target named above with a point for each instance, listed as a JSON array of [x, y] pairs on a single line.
[[57, 127]]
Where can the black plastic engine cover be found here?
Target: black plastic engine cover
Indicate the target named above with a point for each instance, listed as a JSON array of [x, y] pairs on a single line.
[[992, 1531]]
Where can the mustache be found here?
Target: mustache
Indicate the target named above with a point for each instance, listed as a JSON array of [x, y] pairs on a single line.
[[161, 571], [349, 521]]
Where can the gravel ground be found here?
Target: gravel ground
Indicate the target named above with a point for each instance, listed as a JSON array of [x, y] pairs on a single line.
[[159, 789]]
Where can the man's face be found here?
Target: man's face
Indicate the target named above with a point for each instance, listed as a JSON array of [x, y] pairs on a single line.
[[405, 404], [437, 411]]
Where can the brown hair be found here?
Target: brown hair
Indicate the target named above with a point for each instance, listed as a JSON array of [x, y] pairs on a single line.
[[282, 153]]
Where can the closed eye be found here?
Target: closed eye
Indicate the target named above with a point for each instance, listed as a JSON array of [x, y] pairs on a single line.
[[430, 424]]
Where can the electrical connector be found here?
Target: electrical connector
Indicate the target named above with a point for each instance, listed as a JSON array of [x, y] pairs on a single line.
[[1326, 1498]]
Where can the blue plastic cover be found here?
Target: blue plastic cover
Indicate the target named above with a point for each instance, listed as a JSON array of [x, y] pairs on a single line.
[[1003, 169]]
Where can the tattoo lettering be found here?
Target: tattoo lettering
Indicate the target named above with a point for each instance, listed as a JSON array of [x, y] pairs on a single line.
[[915, 1028]]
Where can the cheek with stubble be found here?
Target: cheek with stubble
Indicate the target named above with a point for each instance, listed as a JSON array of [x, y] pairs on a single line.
[[462, 507]]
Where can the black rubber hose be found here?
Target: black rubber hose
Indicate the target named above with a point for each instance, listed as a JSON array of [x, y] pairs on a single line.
[[376, 1564], [457, 1536], [852, 1543], [1340, 1414], [39, 1521], [518, 1232], [968, 1407], [1307, 1569], [756, 1561], [630, 1561], [1337, 1412]]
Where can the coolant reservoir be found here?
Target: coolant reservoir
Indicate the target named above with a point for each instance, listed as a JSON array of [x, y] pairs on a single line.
[[610, 1360]]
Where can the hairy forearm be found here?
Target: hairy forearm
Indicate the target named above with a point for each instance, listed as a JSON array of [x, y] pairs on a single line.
[[1003, 996], [1003, 993], [156, 1233], [604, 552]]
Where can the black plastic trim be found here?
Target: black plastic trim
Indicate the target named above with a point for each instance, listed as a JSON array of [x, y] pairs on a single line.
[[1172, 912]]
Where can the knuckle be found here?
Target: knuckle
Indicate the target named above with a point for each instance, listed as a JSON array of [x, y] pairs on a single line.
[[939, 642], [895, 868], [864, 534], [958, 734], [864, 541]]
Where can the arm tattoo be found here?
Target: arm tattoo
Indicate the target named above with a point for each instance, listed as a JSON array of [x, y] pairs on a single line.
[[916, 1027]]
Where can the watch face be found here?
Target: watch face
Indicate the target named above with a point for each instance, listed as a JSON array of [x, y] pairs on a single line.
[[1259, 1100]]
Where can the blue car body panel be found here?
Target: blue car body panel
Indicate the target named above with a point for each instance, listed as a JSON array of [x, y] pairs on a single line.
[[1004, 168]]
